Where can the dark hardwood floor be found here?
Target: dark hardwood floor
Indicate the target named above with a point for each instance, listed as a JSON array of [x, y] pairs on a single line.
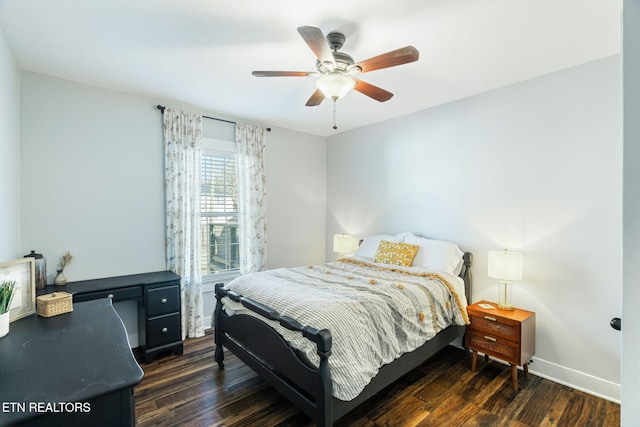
[[189, 390]]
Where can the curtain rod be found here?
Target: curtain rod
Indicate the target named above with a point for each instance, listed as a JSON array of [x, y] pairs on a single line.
[[162, 107]]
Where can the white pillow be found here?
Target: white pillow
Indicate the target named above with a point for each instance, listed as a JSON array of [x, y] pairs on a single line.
[[370, 244], [436, 254]]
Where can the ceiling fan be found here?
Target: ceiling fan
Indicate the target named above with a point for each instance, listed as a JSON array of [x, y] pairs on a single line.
[[337, 71]]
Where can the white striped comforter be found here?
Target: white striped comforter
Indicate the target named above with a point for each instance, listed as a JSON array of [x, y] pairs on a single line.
[[375, 312]]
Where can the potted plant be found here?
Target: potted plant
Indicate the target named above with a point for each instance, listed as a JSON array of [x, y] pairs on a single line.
[[7, 289]]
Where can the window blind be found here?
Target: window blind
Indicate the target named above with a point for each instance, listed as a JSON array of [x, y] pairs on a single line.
[[219, 212]]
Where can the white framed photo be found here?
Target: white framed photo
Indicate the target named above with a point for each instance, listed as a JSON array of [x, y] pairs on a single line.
[[22, 271]]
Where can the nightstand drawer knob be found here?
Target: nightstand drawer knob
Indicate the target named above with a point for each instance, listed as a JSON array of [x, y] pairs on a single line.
[[165, 330], [490, 338], [493, 319], [163, 300]]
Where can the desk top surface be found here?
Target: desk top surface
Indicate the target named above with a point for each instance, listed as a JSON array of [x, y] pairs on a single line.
[[110, 283], [72, 357]]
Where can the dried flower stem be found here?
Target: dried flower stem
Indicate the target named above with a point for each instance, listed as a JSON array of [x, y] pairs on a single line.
[[65, 260]]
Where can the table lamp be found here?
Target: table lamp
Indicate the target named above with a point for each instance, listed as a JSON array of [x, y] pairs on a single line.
[[507, 268], [344, 244]]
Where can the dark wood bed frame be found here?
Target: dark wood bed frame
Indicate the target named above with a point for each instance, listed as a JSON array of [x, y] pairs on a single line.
[[288, 371]]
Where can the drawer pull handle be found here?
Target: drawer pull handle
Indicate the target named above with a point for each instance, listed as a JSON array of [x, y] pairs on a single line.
[[493, 319], [163, 300], [490, 338], [165, 330], [110, 296]]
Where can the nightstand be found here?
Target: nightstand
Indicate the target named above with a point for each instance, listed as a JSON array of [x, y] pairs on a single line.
[[508, 335]]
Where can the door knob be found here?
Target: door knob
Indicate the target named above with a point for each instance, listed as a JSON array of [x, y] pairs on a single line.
[[616, 323]]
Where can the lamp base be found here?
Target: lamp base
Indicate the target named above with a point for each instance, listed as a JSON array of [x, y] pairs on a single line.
[[504, 296]]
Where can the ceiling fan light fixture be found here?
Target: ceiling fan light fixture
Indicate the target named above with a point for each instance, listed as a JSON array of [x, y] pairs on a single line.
[[335, 85], [354, 70]]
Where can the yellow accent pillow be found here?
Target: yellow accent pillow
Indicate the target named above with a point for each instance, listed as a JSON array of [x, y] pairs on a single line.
[[395, 253]]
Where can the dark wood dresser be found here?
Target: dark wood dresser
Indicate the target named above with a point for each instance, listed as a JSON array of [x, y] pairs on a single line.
[[158, 298], [74, 369]]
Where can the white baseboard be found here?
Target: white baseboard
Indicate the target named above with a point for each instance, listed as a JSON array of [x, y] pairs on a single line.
[[575, 379], [570, 377]]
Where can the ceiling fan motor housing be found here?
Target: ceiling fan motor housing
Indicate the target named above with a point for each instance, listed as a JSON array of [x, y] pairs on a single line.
[[343, 62], [336, 40]]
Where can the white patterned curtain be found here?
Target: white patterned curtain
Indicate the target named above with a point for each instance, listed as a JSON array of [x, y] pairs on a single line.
[[252, 224], [182, 148]]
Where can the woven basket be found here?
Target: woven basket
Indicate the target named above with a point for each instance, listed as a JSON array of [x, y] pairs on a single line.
[[53, 304]]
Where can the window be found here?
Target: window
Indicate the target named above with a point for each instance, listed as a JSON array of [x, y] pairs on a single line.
[[218, 208]]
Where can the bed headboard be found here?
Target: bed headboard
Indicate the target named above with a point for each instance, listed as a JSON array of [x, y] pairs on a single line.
[[465, 273]]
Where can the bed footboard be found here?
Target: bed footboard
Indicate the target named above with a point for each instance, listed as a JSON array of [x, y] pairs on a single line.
[[265, 351]]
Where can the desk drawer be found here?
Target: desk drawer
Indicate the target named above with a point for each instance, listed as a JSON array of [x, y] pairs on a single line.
[[163, 330], [163, 300], [115, 294]]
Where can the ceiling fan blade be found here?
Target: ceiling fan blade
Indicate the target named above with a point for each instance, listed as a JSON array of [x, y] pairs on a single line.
[[315, 99], [372, 91], [282, 73], [390, 59], [318, 44]]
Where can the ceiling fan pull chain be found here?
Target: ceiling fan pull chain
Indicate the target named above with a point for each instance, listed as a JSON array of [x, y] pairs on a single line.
[[334, 115]]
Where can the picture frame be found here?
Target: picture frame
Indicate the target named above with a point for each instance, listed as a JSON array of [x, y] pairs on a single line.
[[24, 299]]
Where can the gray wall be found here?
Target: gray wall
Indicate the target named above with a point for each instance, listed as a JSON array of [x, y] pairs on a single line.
[[9, 153], [296, 169], [92, 178], [534, 167], [92, 183]]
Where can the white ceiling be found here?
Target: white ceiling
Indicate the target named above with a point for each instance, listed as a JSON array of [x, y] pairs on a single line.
[[202, 52]]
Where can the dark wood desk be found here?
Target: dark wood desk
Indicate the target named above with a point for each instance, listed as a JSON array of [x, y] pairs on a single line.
[[158, 298], [53, 370]]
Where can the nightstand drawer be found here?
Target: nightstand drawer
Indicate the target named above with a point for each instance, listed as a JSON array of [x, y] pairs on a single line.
[[163, 300], [495, 325], [164, 330], [493, 346]]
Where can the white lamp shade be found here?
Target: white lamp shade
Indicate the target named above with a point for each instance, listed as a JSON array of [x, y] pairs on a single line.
[[345, 244], [505, 265], [334, 85]]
